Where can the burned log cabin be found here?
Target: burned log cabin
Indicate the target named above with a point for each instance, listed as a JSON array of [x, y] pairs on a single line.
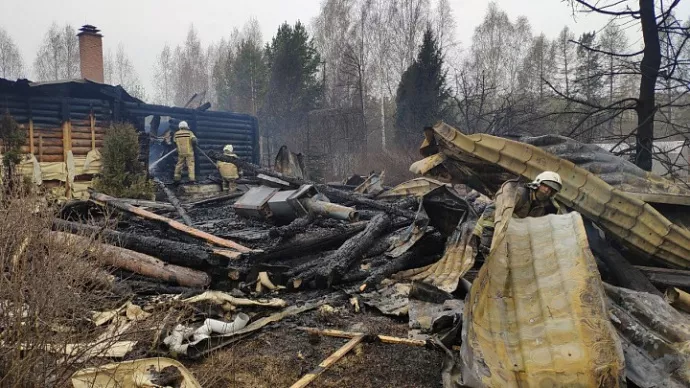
[[66, 123]]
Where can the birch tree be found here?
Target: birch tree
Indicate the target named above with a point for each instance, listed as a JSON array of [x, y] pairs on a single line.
[[11, 62]]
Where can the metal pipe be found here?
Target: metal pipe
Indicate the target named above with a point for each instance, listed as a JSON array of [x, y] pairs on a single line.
[[331, 210]]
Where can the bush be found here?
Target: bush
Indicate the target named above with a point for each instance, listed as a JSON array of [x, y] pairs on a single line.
[[12, 138], [47, 292], [123, 173]]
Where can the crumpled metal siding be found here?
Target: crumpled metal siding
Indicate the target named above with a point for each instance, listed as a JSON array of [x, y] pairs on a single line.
[[536, 314], [458, 258], [632, 220], [614, 170]]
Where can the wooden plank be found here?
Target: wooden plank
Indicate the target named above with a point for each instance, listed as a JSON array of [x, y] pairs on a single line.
[[325, 364], [349, 334]]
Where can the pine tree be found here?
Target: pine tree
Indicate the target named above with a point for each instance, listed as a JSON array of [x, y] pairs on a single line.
[[249, 77], [294, 87], [422, 94]]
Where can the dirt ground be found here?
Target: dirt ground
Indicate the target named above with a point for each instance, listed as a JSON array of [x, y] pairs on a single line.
[[280, 354]]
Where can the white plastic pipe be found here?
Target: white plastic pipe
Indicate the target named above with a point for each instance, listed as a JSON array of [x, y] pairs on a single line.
[[220, 327]]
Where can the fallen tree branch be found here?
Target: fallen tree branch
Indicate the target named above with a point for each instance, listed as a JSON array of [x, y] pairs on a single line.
[[138, 262], [110, 201]]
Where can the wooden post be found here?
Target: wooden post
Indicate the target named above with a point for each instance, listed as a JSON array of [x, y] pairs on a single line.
[[92, 120], [31, 136], [40, 148], [66, 147], [325, 364]]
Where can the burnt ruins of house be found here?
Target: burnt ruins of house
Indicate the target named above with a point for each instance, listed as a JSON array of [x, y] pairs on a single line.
[[66, 122]]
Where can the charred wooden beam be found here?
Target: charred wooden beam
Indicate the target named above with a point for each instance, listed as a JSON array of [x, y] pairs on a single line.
[[306, 243], [113, 202], [622, 272], [219, 198], [666, 276], [297, 226], [174, 201]]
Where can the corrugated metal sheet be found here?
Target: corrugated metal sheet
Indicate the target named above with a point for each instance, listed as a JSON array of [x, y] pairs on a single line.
[[633, 221], [536, 314]]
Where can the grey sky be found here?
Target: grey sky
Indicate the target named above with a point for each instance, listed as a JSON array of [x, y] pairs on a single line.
[[144, 26]]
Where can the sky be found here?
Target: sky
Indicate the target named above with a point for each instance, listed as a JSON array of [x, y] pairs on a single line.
[[144, 26]]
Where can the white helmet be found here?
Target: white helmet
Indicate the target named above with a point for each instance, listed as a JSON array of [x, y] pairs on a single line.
[[548, 178], [183, 125], [227, 149]]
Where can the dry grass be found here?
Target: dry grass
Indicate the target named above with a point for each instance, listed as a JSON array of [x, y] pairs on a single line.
[[47, 293]]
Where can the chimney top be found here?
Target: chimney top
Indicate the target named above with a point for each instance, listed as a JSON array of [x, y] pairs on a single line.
[[88, 29], [91, 53]]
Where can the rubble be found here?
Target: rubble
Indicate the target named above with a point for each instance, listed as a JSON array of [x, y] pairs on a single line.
[[279, 251]]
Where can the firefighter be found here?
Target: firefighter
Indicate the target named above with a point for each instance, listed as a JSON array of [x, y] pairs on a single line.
[[228, 171], [534, 199], [185, 142]]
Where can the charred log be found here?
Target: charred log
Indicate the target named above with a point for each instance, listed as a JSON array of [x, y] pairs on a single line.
[[337, 264], [138, 262], [173, 252]]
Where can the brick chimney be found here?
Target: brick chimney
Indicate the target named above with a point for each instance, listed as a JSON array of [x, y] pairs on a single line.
[[91, 53]]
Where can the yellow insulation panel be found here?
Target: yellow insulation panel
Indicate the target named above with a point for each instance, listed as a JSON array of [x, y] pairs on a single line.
[[536, 314], [623, 215]]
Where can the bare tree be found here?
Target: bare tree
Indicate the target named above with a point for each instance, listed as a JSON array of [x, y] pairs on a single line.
[[11, 62], [566, 57], [445, 26], [125, 75], [164, 77], [659, 28], [613, 40], [71, 49], [58, 57], [191, 70], [108, 67]]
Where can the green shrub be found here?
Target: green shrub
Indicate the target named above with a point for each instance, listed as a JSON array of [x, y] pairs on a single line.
[[123, 173], [12, 138]]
